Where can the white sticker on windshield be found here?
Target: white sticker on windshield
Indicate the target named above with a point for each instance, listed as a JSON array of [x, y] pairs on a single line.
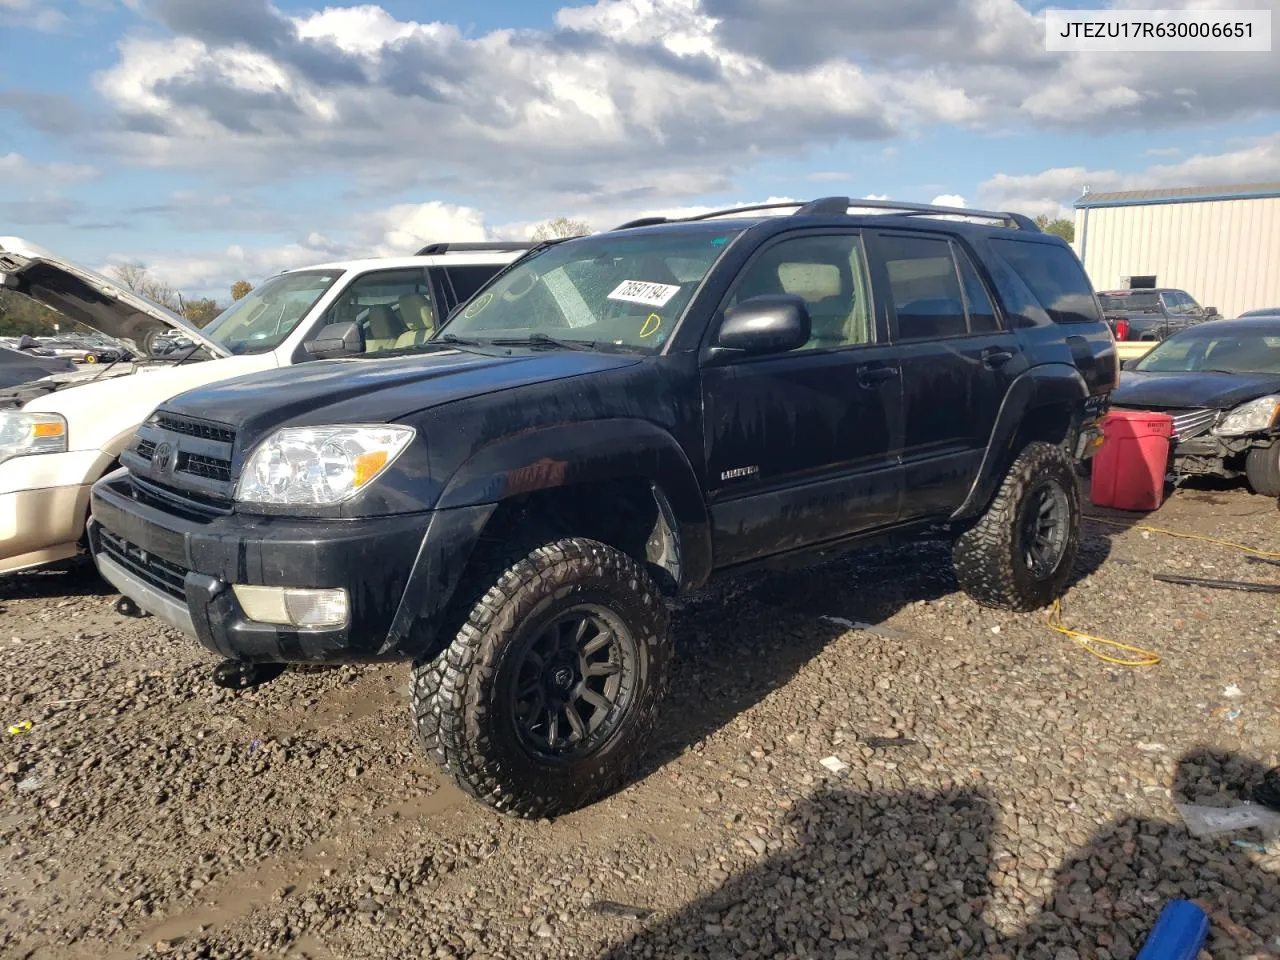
[[641, 291]]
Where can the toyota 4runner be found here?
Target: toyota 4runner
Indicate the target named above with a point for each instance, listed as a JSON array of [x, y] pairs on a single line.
[[606, 424]]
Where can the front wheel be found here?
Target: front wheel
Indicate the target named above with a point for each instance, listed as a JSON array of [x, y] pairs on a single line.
[[545, 699], [1262, 469], [1020, 553]]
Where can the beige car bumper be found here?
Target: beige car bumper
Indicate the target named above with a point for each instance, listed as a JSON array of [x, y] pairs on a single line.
[[41, 526]]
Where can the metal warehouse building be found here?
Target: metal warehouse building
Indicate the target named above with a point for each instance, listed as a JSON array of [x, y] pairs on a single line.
[[1220, 244]]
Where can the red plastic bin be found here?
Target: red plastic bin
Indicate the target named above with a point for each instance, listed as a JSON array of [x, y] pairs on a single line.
[[1129, 469]]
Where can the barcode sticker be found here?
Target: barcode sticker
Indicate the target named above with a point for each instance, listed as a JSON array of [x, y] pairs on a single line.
[[641, 291]]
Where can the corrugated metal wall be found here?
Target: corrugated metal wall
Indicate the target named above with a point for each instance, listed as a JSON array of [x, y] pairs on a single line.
[[1225, 253]]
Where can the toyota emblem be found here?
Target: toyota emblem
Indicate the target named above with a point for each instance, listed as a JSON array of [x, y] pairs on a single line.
[[162, 458]]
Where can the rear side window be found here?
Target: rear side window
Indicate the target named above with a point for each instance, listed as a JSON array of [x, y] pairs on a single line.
[[1054, 276], [925, 288], [982, 315], [467, 280]]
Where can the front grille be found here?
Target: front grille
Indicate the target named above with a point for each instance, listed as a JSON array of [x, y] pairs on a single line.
[[1192, 423], [195, 428], [211, 468], [166, 577], [195, 455]]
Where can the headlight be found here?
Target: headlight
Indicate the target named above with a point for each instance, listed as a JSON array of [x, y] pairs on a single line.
[[1252, 417], [319, 465], [22, 433]]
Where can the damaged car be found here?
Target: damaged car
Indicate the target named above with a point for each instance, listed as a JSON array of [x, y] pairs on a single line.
[[60, 434], [603, 427], [1221, 384]]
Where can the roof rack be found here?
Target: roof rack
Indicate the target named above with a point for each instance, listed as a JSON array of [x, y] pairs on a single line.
[[495, 246], [840, 206]]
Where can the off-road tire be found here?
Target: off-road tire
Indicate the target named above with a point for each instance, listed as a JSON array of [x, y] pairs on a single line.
[[425, 684], [460, 708], [1262, 468], [990, 563]]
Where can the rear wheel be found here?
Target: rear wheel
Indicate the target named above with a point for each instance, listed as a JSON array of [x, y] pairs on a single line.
[[544, 701], [1019, 555], [1262, 468]]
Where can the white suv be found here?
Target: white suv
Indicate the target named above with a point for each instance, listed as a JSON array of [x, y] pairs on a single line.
[[59, 435]]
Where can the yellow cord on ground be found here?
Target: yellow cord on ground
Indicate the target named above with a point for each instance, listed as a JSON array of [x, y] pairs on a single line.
[[1141, 658], [1186, 536]]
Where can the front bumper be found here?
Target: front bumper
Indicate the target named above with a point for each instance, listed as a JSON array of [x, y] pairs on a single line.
[[44, 500], [180, 568]]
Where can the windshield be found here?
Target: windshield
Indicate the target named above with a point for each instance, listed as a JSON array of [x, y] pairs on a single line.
[[1228, 352], [1130, 303], [620, 290], [262, 319]]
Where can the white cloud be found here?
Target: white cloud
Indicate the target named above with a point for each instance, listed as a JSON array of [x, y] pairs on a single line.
[[28, 13], [15, 168], [400, 230], [1051, 191], [948, 200]]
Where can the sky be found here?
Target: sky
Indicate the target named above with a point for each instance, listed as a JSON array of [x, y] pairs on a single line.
[[214, 141]]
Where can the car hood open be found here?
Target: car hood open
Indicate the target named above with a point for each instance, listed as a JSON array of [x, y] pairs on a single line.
[[90, 298]]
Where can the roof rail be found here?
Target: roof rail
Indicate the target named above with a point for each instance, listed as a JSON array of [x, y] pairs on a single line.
[[642, 222], [493, 246], [840, 206]]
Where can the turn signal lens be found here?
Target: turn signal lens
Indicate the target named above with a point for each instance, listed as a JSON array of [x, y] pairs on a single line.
[[48, 430]]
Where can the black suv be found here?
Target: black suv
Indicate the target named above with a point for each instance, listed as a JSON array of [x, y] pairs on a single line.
[[606, 424]]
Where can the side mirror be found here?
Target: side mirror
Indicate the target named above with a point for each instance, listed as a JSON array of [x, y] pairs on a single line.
[[1129, 364], [1211, 312], [774, 323], [336, 340]]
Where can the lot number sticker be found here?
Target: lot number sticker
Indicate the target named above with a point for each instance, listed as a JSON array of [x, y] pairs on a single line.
[[640, 291]]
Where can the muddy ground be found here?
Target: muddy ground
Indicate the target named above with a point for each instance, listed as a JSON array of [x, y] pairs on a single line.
[[1026, 808]]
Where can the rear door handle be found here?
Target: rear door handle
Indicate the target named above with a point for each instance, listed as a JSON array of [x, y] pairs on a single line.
[[871, 374], [993, 357]]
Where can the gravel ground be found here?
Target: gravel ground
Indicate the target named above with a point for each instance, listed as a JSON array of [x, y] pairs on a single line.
[[1025, 807]]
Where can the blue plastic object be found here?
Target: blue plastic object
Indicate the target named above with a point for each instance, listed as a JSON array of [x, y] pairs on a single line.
[[1179, 933]]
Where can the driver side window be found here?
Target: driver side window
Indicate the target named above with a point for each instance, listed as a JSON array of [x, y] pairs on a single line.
[[394, 309], [829, 273]]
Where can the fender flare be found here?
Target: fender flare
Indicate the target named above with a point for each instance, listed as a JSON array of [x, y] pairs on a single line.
[[592, 452], [1040, 386], [544, 459]]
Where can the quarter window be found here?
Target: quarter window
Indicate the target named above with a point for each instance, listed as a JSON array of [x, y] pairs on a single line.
[[1055, 276], [829, 273]]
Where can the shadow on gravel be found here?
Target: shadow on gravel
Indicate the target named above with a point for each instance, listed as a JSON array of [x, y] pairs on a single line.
[[77, 578], [885, 875], [744, 637]]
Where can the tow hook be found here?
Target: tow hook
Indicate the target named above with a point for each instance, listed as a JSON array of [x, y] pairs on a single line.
[[239, 675], [127, 608]]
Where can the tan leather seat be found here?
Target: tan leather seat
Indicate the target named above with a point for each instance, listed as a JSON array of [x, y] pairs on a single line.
[[418, 317], [384, 328]]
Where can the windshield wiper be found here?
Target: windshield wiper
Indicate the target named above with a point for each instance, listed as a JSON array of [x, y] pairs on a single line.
[[543, 342]]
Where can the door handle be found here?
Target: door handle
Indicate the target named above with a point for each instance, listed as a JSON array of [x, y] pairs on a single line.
[[993, 357], [871, 374]]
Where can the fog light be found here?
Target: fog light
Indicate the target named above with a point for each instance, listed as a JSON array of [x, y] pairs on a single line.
[[293, 606]]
